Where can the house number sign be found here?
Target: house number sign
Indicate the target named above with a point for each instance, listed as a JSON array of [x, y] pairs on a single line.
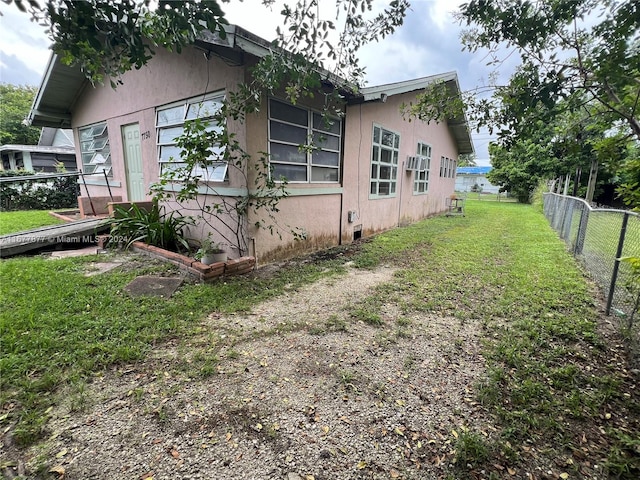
[[146, 135]]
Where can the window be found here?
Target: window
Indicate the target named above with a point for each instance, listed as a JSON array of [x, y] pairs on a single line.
[[447, 167], [421, 179], [170, 125], [95, 150], [292, 153], [384, 162]]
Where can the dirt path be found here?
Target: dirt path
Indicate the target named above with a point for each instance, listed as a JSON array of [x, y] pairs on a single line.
[[296, 389]]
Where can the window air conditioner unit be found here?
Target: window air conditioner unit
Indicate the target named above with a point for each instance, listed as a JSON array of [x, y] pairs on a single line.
[[412, 163]]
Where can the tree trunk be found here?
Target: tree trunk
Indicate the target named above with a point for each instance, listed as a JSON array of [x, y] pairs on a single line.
[[593, 175]]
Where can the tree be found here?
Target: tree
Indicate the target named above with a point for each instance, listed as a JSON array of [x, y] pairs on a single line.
[[583, 55], [467, 160], [15, 102], [106, 38]]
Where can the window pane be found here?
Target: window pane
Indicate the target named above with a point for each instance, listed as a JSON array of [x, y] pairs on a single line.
[[85, 135], [326, 124], [323, 140], [171, 166], [208, 108], [171, 115], [383, 188], [288, 113], [324, 174], [385, 156], [385, 172], [374, 188], [375, 156], [376, 135], [169, 151], [293, 173], [288, 133], [98, 130], [168, 135], [325, 158], [374, 171], [287, 153], [387, 138]]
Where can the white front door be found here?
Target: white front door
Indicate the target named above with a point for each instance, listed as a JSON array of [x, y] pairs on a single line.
[[133, 162]]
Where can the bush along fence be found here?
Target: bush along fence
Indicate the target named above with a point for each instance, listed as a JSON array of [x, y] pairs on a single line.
[[599, 238], [21, 190]]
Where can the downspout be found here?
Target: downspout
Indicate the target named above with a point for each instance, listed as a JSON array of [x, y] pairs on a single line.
[[399, 177]]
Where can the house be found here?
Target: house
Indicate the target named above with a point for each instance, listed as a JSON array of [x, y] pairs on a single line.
[[373, 169], [54, 148], [474, 179]]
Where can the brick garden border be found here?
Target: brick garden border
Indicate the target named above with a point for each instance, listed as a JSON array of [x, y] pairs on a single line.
[[202, 272]]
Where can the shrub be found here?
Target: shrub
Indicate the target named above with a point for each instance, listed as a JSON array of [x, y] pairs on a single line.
[[152, 226], [38, 194]]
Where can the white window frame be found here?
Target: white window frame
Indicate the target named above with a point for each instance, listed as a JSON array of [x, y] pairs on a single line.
[[183, 111], [421, 175], [311, 164], [447, 167], [377, 182], [95, 150]]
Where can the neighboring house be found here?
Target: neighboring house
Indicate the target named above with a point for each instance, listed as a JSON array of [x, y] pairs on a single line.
[[374, 169], [54, 148], [474, 179]]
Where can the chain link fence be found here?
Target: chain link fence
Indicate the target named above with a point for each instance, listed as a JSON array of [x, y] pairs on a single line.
[[599, 237]]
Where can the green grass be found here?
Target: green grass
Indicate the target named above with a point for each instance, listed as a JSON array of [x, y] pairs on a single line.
[[11, 222], [503, 266], [58, 327], [500, 266]]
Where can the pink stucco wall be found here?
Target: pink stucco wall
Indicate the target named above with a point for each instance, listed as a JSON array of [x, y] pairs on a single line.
[[378, 214], [167, 78], [317, 211]]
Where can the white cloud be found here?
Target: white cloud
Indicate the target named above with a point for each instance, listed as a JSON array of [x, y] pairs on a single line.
[[26, 41]]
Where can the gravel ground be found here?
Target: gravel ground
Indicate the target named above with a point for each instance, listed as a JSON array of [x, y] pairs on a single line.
[[301, 391]]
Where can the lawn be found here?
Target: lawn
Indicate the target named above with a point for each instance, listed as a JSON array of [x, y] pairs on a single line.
[[551, 379], [11, 222]]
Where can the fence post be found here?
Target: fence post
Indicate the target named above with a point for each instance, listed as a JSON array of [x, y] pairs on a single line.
[[582, 231], [616, 265]]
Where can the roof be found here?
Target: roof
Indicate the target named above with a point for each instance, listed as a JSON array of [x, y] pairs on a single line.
[[473, 170], [38, 149], [62, 85], [459, 126]]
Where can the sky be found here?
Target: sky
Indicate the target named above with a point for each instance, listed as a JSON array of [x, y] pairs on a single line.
[[426, 44]]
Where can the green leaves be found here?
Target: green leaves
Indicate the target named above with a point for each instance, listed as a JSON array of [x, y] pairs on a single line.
[[580, 56], [106, 39], [15, 102], [152, 226]]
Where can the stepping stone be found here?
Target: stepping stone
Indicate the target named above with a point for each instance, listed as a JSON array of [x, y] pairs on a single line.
[[153, 286]]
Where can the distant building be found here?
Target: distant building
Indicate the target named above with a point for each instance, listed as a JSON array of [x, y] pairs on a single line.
[[474, 179], [54, 147]]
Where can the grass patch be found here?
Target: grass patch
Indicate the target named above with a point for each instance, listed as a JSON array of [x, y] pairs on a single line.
[[549, 379], [503, 266], [51, 338], [11, 222]]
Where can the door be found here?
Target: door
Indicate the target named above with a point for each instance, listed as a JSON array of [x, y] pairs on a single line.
[[133, 162]]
